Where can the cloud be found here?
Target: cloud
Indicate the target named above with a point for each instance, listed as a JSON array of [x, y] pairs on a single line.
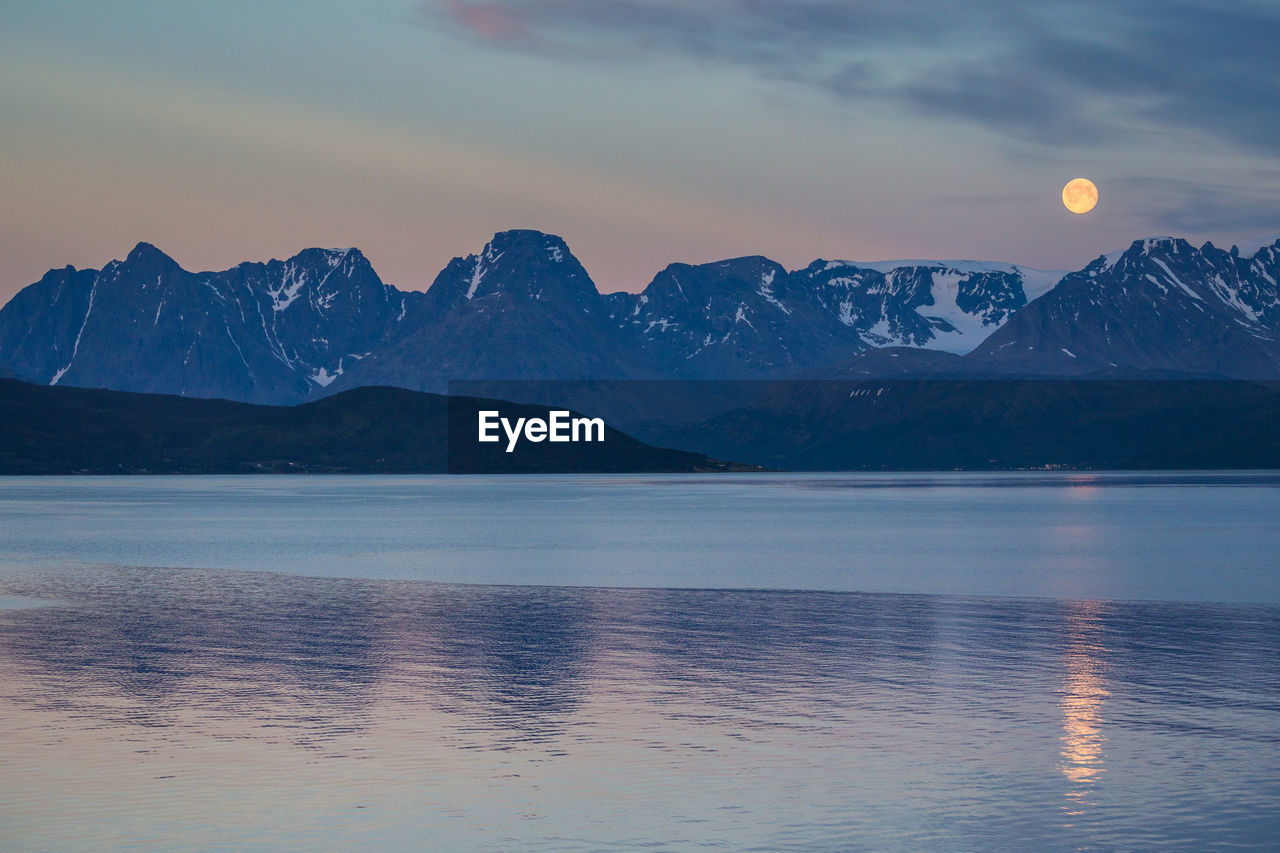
[[1177, 206], [1055, 74], [493, 22]]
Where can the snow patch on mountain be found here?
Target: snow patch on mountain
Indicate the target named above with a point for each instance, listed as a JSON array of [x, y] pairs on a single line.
[[283, 296], [323, 377], [959, 331], [1174, 278], [766, 290], [1035, 282], [477, 276], [879, 335], [80, 334]]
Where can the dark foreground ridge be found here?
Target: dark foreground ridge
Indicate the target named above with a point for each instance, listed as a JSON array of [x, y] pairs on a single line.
[[49, 430], [1113, 420], [866, 425], [998, 424]]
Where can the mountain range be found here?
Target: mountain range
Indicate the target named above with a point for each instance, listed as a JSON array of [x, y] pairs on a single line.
[[523, 307]]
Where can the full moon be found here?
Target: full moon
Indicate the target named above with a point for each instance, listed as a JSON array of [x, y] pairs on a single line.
[[1080, 195]]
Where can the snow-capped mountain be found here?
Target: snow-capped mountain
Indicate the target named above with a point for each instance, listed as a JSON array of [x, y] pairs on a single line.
[[273, 332], [944, 305], [730, 319], [749, 317], [1161, 304], [522, 308]]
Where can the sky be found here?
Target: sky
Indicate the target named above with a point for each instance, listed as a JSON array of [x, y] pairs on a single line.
[[644, 132]]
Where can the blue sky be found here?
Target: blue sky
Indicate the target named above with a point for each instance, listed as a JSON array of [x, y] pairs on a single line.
[[642, 131]]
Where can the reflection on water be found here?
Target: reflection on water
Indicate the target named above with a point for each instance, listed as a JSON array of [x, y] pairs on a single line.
[[183, 708], [1082, 700]]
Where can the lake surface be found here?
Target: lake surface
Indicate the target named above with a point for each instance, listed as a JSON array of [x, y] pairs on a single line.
[[1171, 537], [883, 662]]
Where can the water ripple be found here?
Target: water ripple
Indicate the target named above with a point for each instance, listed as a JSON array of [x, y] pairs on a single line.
[[195, 709]]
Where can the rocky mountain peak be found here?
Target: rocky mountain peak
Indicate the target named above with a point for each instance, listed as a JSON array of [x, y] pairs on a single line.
[[520, 265], [146, 253], [145, 264]]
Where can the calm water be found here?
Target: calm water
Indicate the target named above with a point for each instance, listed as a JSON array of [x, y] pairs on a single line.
[[264, 663], [1087, 536]]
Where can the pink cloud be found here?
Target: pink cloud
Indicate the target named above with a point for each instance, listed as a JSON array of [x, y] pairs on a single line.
[[494, 22]]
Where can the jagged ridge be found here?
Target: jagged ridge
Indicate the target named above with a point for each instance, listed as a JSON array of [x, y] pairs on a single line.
[[525, 308]]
